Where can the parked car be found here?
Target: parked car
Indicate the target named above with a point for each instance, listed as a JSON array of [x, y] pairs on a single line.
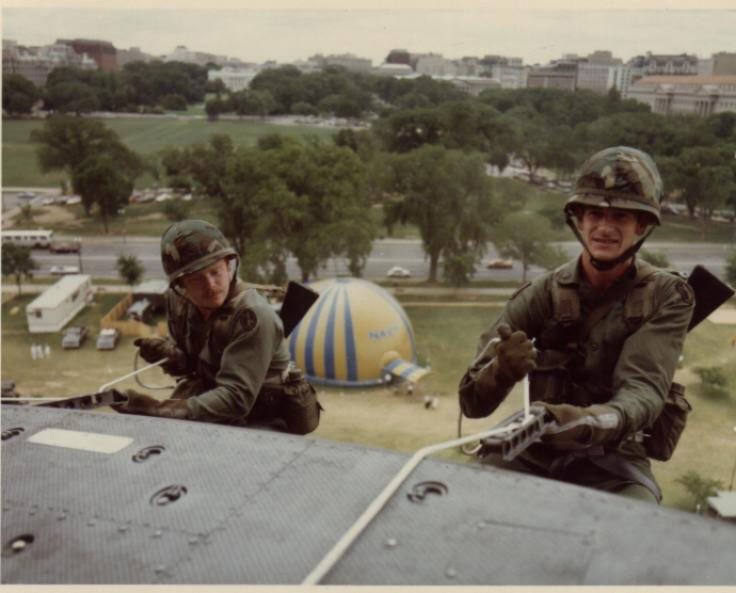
[[74, 336], [108, 338], [140, 310], [65, 247], [398, 272], [63, 270], [499, 264]]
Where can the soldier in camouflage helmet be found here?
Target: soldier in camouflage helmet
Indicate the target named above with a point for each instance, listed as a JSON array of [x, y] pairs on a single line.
[[226, 344], [600, 338]]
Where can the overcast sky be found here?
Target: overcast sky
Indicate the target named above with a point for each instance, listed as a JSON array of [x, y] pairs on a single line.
[[284, 30]]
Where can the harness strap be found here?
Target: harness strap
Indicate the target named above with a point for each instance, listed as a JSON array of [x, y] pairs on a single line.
[[610, 461]]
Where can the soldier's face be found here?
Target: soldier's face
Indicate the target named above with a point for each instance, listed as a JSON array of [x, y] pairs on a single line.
[[608, 232], [208, 288]]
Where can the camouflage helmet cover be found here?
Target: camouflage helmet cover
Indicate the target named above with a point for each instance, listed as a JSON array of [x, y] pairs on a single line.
[[619, 177], [192, 245]]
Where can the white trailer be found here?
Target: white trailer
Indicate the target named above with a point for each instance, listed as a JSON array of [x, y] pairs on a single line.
[[59, 303]]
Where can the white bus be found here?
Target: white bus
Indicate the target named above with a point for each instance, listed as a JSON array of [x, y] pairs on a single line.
[[37, 238]]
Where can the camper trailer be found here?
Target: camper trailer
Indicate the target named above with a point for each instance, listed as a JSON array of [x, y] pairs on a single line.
[[59, 303]]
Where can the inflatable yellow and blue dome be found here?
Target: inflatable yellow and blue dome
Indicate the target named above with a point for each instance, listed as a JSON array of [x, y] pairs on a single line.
[[356, 334]]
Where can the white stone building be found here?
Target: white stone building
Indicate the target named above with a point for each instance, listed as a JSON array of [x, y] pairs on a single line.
[[695, 95], [234, 79]]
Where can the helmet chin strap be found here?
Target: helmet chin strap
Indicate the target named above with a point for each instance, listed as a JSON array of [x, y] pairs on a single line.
[[607, 264]]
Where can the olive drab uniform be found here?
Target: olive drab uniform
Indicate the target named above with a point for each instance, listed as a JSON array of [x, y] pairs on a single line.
[[235, 366], [619, 347]]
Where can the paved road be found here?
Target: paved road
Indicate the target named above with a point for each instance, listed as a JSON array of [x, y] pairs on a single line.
[[100, 253]]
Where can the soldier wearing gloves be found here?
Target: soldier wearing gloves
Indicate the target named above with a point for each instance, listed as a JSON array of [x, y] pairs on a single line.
[[226, 343], [600, 338]]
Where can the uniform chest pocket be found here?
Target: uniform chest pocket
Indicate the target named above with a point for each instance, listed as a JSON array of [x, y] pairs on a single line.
[[605, 342]]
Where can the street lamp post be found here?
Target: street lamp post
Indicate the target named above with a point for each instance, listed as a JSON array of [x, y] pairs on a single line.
[[733, 471], [79, 254]]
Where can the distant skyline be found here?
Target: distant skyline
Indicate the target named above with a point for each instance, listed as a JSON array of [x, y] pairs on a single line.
[[536, 34]]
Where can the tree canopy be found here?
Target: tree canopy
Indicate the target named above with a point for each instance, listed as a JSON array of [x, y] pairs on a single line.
[[17, 261]]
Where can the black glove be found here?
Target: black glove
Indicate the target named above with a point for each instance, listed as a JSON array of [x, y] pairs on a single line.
[[154, 349], [145, 405], [515, 354], [512, 356], [577, 427]]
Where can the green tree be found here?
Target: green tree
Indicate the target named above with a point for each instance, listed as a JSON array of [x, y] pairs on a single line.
[[731, 267], [67, 142], [214, 107], [174, 102], [17, 261], [130, 269], [19, 94], [101, 181], [704, 176], [203, 166], [71, 97], [447, 195], [699, 488], [526, 236], [176, 210]]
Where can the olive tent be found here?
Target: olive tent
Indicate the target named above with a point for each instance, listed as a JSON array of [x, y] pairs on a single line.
[[356, 334]]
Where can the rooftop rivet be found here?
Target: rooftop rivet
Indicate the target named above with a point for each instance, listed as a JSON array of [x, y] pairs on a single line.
[[451, 573], [158, 533], [18, 546], [90, 523], [391, 542], [122, 528], [159, 569]]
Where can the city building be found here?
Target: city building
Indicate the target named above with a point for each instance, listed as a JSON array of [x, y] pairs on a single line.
[[102, 52], [394, 69], [557, 75], [35, 63], [182, 54], [724, 63], [433, 65], [473, 85], [234, 79], [398, 56], [695, 95], [347, 61], [508, 71], [134, 54], [468, 66], [663, 64]]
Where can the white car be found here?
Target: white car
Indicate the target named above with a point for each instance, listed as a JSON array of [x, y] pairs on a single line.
[[398, 272], [63, 270]]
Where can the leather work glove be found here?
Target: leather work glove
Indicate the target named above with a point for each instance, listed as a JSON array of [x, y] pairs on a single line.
[[145, 405], [577, 427], [514, 357], [154, 349]]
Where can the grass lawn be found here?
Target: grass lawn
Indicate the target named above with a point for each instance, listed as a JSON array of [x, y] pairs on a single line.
[[380, 417], [145, 136]]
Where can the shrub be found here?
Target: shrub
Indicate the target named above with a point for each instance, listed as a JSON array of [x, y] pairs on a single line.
[[714, 381], [698, 487]]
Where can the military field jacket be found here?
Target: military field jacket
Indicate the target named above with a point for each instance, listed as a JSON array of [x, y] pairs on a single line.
[[627, 366], [232, 353]]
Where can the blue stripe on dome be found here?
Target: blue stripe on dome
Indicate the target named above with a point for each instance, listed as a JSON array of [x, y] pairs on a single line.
[[309, 346], [351, 358], [329, 345], [384, 294]]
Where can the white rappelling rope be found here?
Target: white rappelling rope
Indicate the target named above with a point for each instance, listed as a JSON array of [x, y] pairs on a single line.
[[136, 372], [378, 503]]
